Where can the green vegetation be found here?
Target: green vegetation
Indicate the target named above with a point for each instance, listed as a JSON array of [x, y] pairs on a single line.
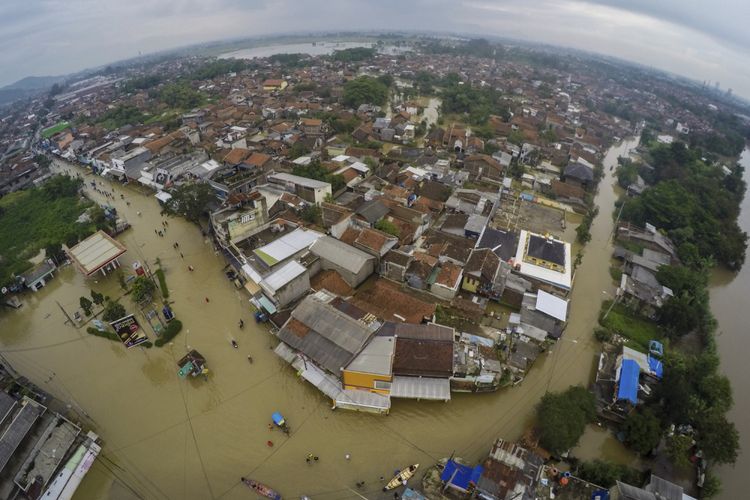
[[97, 298], [355, 54], [141, 83], [627, 172], [477, 102], [123, 114], [387, 227], [170, 332], [190, 200], [312, 214], [180, 95], [642, 431], [562, 417], [142, 289], [218, 67], [40, 218], [54, 129], [605, 473], [365, 90], [86, 305], [636, 329], [314, 170], [696, 204], [288, 60], [583, 231], [688, 310], [106, 334], [162, 283], [113, 311]]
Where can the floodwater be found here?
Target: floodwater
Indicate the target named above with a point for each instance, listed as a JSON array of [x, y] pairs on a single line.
[[729, 297], [166, 438], [319, 49]]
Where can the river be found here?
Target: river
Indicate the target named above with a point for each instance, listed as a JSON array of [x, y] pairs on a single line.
[[312, 48], [169, 438], [729, 296]]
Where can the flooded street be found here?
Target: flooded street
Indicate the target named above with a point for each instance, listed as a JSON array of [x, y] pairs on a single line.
[[171, 439], [729, 296]]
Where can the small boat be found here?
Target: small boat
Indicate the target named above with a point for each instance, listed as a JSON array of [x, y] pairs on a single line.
[[279, 420], [261, 489], [401, 478]]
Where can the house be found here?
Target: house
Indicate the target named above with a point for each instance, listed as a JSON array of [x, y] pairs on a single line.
[[483, 166], [274, 84], [386, 300], [286, 284], [504, 244], [510, 471], [129, 164], [656, 489], [335, 218], [372, 369], [484, 274], [578, 174], [394, 264], [352, 264], [374, 242], [311, 126], [371, 212], [649, 238], [421, 271], [447, 282], [38, 276], [240, 214], [310, 190], [545, 261], [544, 312]]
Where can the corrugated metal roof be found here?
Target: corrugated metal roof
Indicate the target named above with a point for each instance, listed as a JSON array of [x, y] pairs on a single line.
[[286, 246], [375, 358], [421, 388], [552, 305], [301, 181], [96, 251], [341, 254], [286, 273], [352, 399]]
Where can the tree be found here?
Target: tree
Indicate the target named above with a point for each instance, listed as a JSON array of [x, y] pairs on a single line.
[[605, 473], [562, 418], [113, 310], [678, 449], [364, 90], [85, 305], [142, 289], [191, 200], [55, 252], [642, 431], [719, 439], [97, 297], [311, 214], [711, 485], [387, 227]]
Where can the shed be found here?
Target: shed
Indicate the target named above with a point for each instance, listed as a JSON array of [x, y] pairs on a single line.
[[627, 386]]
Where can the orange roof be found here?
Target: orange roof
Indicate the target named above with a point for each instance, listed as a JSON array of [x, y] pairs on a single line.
[[312, 122], [350, 236], [333, 282], [236, 156], [448, 275], [372, 239], [387, 301], [349, 174], [258, 159], [273, 82]]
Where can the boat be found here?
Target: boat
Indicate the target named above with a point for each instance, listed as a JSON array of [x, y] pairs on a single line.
[[261, 489], [401, 478], [279, 420]]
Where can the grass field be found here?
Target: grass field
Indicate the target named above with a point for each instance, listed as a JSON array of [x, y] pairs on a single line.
[[636, 329], [59, 127]]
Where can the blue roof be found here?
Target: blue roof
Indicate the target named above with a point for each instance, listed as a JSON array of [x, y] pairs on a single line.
[[410, 494], [628, 383], [656, 366], [460, 476], [600, 495]]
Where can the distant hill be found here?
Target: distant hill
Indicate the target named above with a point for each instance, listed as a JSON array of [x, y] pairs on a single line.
[[34, 83], [27, 87]]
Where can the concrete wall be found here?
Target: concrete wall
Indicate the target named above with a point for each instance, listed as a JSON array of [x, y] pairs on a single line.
[[352, 279], [293, 290]]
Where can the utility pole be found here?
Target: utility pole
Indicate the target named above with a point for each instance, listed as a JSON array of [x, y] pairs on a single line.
[[72, 323]]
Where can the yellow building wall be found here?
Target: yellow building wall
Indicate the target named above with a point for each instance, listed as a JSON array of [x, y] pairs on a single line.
[[361, 380], [470, 284]]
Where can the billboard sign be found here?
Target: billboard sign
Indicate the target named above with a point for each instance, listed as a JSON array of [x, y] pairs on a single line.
[[129, 331]]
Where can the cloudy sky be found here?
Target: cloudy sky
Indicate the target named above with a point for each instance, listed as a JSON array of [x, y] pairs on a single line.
[[702, 39]]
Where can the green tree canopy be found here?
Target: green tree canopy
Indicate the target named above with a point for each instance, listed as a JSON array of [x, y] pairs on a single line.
[[642, 431], [365, 90], [562, 417], [191, 200], [387, 227], [142, 289], [113, 310]]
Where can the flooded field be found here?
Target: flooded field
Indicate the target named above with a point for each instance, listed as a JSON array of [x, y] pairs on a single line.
[[165, 438]]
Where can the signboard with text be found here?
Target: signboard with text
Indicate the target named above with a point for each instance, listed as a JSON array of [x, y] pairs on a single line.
[[129, 331]]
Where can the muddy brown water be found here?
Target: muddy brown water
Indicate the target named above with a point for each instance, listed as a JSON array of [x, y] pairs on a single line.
[[166, 438], [729, 300]]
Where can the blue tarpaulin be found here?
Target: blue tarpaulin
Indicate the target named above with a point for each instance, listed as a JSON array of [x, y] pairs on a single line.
[[267, 305], [628, 383], [600, 495], [460, 476], [410, 494], [656, 366]]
